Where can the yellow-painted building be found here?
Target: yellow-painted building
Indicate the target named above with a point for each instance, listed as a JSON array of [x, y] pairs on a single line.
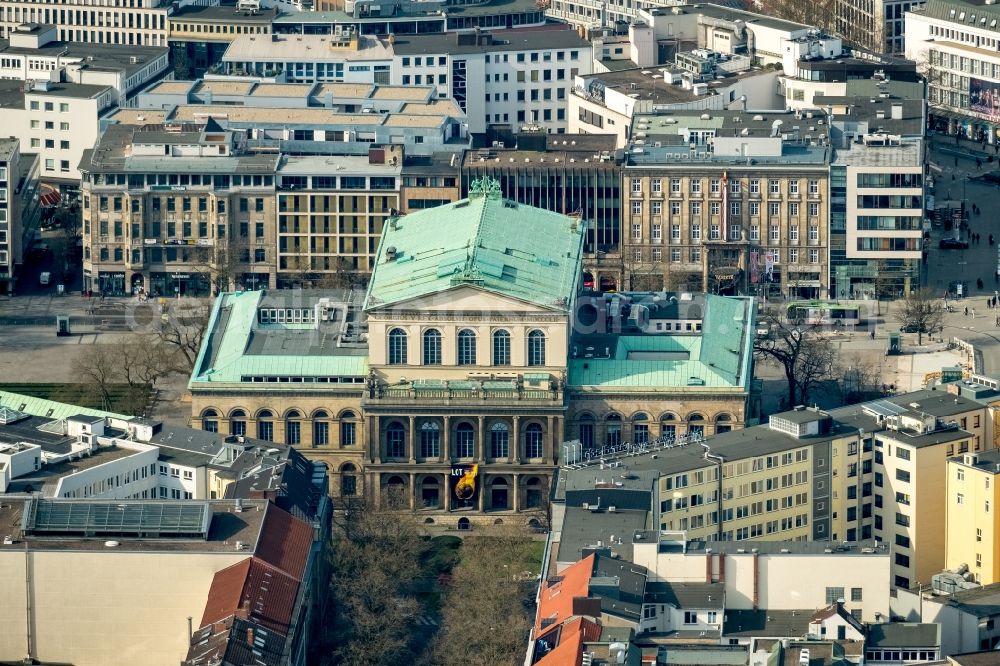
[[973, 524]]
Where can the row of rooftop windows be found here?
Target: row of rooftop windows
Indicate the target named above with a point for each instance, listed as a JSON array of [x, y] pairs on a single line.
[[431, 353]]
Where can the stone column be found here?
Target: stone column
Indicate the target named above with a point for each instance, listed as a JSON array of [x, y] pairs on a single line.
[[412, 439], [481, 439], [515, 445], [445, 452], [413, 492], [481, 482], [517, 493], [549, 442], [376, 439], [447, 494]]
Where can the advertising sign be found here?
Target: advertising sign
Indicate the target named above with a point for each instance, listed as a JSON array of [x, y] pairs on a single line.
[[463, 481], [984, 98]]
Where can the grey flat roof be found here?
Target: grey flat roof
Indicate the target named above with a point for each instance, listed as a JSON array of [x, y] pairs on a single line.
[[224, 13], [687, 595], [766, 623], [583, 529], [93, 56], [506, 40], [904, 635], [981, 601]]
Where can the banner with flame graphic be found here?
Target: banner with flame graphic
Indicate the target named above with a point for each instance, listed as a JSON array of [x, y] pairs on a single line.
[[465, 481]]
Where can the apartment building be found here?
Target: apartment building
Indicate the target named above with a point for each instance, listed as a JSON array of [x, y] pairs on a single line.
[[58, 122], [956, 43], [972, 515], [117, 22], [573, 175], [177, 209], [34, 52], [874, 26], [727, 202], [19, 209], [430, 181], [329, 225]]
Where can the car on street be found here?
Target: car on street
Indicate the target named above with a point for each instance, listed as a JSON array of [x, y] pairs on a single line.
[[953, 244]]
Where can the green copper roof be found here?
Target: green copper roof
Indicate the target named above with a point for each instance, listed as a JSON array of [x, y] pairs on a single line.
[[226, 355], [484, 241], [50, 408], [720, 358]]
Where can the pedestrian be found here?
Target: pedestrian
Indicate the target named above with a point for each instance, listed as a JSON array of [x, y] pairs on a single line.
[[956, 164], [966, 311], [873, 330], [973, 313]]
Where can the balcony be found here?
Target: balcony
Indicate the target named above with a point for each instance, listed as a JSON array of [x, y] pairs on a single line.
[[542, 392]]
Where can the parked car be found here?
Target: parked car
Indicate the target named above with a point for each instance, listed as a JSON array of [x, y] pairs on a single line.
[[44, 278], [953, 244]]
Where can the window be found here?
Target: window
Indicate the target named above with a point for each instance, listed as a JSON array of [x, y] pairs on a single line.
[[464, 440], [536, 348], [321, 430], [499, 440], [348, 480], [293, 430], [397, 346], [690, 617], [533, 441], [960, 498], [432, 347], [395, 444], [265, 426], [902, 560], [833, 594], [348, 429], [902, 475], [430, 440], [466, 347], [637, 186], [856, 594]]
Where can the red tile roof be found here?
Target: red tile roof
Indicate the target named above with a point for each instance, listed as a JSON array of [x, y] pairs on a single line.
[[284, 542], [225, 593], [255, 590], [555, 603], [571, 637]]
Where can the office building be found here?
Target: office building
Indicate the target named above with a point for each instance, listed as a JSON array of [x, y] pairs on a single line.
[[199, 34], [117, 22], [177, 209], [58, 122], [727, 202], [34, 52], [19, 210], [955, 44], [875, 27], [572, 175], [972, 516]]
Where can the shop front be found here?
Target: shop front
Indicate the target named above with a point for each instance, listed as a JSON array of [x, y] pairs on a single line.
[[179, 284], [111, 283], [254, 281]]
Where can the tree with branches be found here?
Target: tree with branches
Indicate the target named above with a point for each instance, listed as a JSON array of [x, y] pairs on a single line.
[[183, 328], [806, 358], [921, 312]]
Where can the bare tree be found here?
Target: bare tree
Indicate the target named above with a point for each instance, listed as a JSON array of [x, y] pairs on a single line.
[[135, 362], [806, 359], [183, 328], [859, 378], [98, 371], [921, 312], [819, 13], [375, 563]]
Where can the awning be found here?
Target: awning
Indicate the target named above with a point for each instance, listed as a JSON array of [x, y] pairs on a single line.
[[50, 198]]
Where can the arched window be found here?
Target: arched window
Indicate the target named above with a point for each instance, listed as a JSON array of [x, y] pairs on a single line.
[[499, 440], [265, 425], [587, 431], [348, 480], [430, 439], [395, 440], [533, 441], [321, 428], [238, 422], [466, 347], [501, 348], [430, 492], [640, 428], [465, 438], [348, 429], [210, 420], [536, 348], [696, 425], [668, 427], [533, 493], [432, 347], [723, 423], [293, 428], [397, 347], [613, 430]]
